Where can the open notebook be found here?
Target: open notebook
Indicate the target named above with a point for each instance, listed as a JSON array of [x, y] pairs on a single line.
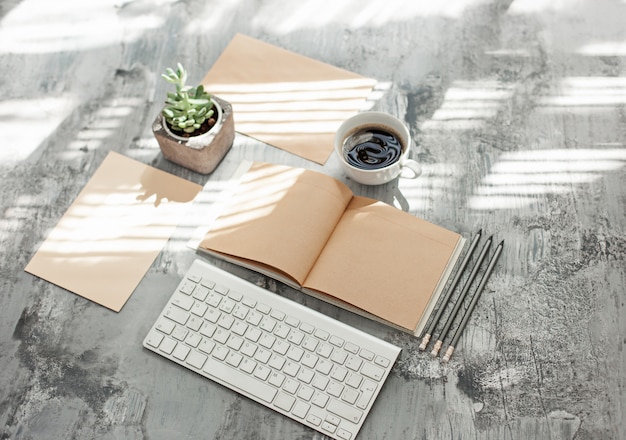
[[310, 231]]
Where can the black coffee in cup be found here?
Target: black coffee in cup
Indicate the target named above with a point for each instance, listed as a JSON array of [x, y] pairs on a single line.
[[372, 148]]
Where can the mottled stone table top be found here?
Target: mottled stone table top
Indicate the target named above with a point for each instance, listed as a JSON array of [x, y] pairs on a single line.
[[518, 114]]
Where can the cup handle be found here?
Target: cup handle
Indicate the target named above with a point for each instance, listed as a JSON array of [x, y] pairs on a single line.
[[413, 166]]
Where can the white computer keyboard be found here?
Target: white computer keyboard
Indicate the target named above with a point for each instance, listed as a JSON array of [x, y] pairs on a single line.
[[303, 364]]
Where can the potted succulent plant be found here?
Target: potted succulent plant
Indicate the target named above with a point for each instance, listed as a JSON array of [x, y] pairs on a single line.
[[194, 129]]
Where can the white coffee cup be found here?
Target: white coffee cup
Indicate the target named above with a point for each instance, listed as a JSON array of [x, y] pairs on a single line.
[[386, 123]]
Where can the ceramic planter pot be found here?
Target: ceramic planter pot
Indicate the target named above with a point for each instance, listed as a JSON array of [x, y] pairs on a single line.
[[198, 153]]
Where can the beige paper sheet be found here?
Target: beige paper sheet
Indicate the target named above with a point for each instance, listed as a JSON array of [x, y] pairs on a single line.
[[111, 234], [284, 99]]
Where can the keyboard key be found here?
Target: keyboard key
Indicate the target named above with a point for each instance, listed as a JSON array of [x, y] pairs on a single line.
[[291, 368], [324, 350], [177, 314], [193, 339], [262, 355], [344, 410], [263, 308], [276, 379], [306, 393], [196, 359], [277, 362], [319, 399], [221, 289], [262, 372], [339, 357], [324, 366], [220, 352], [235, 296], [277, 314], [237, 379], [326, 426], [350, 395], [310, 344], [184, 302], [336, 341], [240, 311], [268, 324], [295, 337], [253, 334], [352, 348], [313, 419], [291, 321], [291, 386], [295, 354], [207, 330], [181, 351], [187, 287], [354, 380], [281, 347], [194, 277], [372, 371], [209, 284], [320, 382], [206, 346], [195, 323], [367, 355], [180, 333], [354, 363], [154, 339], [167, 346], [334, 389], [247, 365], [249, 302], [240, 328], [307, 328], [322, 334], [200, 293], [284, 401], [305, 375], [234, 359], [199, 309], [367, 392], [383, 362], [166, 326], [343, 434], [282, 330], [300, 409]]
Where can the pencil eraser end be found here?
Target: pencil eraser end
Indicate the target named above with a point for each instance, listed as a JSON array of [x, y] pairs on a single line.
[[448, 355], [436, 348]]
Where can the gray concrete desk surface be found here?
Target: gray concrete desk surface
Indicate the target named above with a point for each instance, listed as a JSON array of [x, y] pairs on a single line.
[[518, 111]]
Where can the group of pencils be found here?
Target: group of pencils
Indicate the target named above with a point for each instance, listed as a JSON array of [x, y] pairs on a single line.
[[462, 298]]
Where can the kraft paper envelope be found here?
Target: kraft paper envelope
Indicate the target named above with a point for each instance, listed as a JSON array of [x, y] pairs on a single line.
[[284, 99], [111, 234]]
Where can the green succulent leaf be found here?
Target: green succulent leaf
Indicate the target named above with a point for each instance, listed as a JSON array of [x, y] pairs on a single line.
[[188, 107]]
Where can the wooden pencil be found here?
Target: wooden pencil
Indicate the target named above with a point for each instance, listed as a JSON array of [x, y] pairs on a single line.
[[473, 302], [461, 298], [446, 299]]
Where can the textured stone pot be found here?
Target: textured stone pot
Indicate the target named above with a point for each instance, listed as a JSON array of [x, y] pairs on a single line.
[[198, 153]]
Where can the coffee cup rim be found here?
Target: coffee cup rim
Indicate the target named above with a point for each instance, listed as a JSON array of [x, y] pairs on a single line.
[[349, 126]]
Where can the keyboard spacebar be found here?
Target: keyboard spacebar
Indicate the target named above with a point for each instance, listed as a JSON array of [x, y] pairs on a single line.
[[241, 381]]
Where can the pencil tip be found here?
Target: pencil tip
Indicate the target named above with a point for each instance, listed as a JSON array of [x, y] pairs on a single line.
[[501, 243]]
